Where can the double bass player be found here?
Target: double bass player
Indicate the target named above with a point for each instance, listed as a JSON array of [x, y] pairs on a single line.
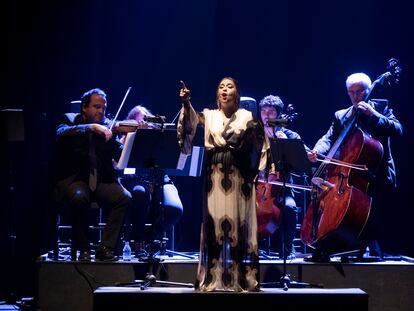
[[376, 119]]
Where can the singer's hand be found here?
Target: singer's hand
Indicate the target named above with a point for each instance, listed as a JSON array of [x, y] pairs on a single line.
[[184, 93]]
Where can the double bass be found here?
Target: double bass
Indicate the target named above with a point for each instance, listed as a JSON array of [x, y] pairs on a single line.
[[340, 204]]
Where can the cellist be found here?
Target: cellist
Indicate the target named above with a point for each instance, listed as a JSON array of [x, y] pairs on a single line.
[[376, 118], [271, 108]]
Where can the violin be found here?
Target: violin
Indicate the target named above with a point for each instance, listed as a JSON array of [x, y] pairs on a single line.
[[130, 126], [123, 127]]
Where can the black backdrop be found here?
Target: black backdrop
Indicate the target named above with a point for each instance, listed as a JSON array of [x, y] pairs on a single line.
[[52, 52]]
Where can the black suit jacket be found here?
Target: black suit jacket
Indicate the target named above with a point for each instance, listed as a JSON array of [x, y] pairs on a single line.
[[382, 128], [72, 153]]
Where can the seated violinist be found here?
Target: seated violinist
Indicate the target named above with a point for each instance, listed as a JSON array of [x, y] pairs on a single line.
[[140, 185], [271, 108], [85, 149], [135, 120]]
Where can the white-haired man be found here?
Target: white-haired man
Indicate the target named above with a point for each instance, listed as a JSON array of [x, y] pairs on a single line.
[[377, 120]]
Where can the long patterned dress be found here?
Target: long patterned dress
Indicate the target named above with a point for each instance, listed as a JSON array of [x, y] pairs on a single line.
[[228, 248]]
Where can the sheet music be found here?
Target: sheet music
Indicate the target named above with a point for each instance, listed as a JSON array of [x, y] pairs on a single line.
[[194, 166], [131, 163], [182, 159], [196, 161], [126, 151]]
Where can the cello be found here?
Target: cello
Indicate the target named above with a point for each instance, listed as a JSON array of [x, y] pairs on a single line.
[[267, 208], [340, 204]]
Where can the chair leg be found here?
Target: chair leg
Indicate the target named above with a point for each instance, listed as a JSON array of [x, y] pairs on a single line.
[[172, 239], [56, 250], [57, 238], [73, 252]]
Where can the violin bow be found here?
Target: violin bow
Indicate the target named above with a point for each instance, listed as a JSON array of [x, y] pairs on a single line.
[[120, 107], [178, 113]]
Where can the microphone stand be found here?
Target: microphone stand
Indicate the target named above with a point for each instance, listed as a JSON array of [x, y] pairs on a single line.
[[156, 160]]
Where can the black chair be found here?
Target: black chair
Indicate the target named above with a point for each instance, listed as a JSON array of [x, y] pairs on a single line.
[[64, 247]]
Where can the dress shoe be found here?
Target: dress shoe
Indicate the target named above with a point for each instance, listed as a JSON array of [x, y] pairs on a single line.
[[371, 249], [84, 255], [103, 253], [318, 256], [375, 249], [139, 249]]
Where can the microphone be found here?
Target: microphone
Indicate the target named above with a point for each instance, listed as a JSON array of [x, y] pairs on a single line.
[[277, 122], [155, 119]]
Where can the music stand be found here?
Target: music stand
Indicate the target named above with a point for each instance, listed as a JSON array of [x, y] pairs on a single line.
[[154, 151], [289, 156]]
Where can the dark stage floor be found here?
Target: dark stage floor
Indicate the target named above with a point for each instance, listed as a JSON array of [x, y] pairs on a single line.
[[69, 285], [127, 298]]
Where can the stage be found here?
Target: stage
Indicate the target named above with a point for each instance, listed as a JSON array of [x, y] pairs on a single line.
[[127, 298], [69, 285]]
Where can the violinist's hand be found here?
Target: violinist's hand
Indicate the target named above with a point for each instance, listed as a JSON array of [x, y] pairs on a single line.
[[101, 130], [143, 124], [184, 93], [312, 155], [366, 108]]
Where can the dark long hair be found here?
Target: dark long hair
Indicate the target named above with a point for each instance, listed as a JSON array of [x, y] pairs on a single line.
[[236, 84]]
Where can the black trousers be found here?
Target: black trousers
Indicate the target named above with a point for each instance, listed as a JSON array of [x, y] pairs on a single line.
[[162, 208], [377, 228], [107, 195]]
